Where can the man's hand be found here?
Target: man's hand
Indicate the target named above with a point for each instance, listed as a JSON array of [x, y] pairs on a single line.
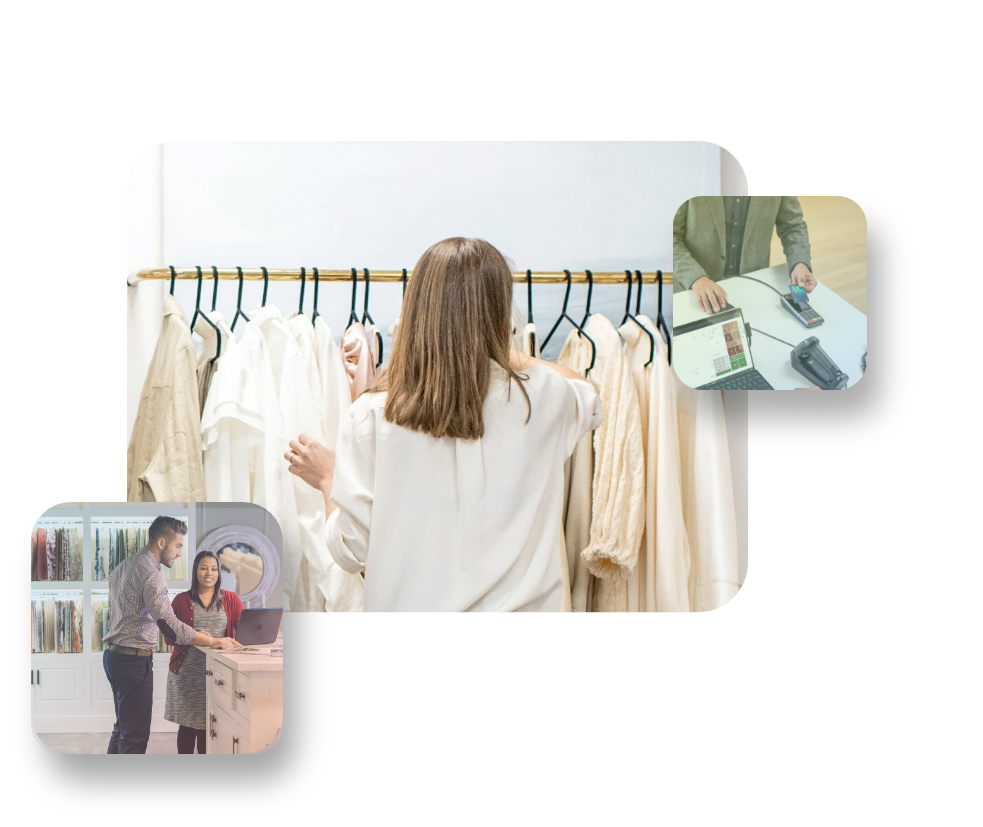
[[802, 276], [311, 461], [709, 295], [225, 643]]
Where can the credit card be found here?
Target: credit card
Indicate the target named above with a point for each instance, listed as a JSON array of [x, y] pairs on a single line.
[[798, 293]]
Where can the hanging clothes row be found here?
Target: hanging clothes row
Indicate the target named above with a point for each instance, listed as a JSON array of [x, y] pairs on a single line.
[[649, 521], [246, 394], [56, 553], [56, 624]]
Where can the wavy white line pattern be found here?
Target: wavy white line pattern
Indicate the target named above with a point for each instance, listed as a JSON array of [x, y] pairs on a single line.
[[702, 699]]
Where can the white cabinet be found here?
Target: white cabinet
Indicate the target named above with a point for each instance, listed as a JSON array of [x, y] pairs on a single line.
[[221, 731], [245, 709], [59, 685], [242, 738]]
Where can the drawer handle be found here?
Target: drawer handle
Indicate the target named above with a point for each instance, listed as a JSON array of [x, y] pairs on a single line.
[[212, 719], [241, 696], [219, 682], [209, 672], [213, 734], [234, 742]]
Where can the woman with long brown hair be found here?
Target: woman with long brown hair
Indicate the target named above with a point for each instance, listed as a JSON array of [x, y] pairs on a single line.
[[447, 486]]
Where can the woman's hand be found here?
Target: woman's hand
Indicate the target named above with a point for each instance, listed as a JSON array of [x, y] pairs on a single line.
[[225, 643], [311, 461]]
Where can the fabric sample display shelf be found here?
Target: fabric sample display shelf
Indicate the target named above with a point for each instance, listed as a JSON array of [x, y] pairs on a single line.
[[112, 541], [100, 621], [56, 622], [56, 550], [69, 689]]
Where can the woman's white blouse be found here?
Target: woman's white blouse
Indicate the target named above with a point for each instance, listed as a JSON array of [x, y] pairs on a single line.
[[442, 524]]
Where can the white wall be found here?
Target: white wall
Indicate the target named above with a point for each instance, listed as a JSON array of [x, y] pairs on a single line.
[[546, 205], [144, 250], [733, 181]]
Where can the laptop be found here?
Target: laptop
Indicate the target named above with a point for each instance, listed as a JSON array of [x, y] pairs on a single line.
[[714, 354], [258, 627]]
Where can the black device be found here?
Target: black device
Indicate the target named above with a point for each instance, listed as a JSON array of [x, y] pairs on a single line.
[[258, 626], [809, 359], [802, 311], [714, 353]]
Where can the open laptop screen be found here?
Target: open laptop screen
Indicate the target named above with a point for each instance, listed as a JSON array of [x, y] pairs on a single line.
[[710, 349]]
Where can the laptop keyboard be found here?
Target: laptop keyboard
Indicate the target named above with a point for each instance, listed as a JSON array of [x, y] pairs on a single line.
[[749, 380]]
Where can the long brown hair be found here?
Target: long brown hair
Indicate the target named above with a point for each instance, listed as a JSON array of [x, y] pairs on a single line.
[[455, 321], [193, 591]]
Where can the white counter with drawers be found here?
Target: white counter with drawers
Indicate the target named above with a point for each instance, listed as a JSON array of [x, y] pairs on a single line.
[[244, 700]]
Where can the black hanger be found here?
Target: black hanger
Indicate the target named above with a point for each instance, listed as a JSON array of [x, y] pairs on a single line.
[[316, 312], [629, 315], [266, 284], [532, 336], [239, 303], [660, 320], [214, 286], [367, 315], [590, 293], [174, 276], [404, 281], [565, 315], [194, 319], [303, 284], [353, 316]]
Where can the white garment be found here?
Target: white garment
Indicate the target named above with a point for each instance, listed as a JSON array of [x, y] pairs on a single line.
[[242, 437], [318, 585], [336, 394], [660, 580], [452, 524], [708, 497]]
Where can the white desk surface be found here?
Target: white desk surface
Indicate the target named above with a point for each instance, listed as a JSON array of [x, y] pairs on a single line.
[[253, 662], [843, 333]]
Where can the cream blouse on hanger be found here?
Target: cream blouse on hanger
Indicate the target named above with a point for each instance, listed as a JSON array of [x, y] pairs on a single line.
[[458, 525]]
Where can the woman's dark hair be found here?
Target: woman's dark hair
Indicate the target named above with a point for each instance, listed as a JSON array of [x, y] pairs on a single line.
[[193, 591]]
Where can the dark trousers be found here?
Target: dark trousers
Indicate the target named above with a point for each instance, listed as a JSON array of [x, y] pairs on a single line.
[[132, 680], [186, 738]]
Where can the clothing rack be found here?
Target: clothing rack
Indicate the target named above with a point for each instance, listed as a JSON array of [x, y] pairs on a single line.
[[308, 273]]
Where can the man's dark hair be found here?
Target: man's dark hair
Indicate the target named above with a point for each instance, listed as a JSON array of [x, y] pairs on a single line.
[[165, 527]]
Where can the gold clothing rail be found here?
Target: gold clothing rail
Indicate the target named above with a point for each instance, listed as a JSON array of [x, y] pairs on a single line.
[[279, 274]]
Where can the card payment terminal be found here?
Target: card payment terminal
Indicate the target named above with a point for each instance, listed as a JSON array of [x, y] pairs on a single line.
[[802, 311]]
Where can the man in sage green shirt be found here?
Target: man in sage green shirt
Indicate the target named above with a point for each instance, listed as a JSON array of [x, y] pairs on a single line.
[[715, 237]]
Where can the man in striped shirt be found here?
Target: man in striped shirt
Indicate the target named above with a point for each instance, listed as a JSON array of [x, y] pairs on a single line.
[[138, 606]]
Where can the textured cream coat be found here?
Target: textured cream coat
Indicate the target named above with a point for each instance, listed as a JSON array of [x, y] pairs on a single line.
[[163, 459], [618, 489]]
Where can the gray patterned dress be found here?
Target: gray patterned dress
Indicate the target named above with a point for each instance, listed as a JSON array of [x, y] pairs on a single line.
[[185, 702]]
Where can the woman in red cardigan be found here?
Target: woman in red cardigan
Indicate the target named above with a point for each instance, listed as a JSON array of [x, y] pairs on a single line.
[[205, 607]]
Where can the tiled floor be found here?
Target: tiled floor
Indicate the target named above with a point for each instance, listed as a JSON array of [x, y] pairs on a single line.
[[161, 743]]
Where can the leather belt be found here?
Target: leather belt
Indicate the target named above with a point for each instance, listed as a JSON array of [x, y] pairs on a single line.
[[126, 650]]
